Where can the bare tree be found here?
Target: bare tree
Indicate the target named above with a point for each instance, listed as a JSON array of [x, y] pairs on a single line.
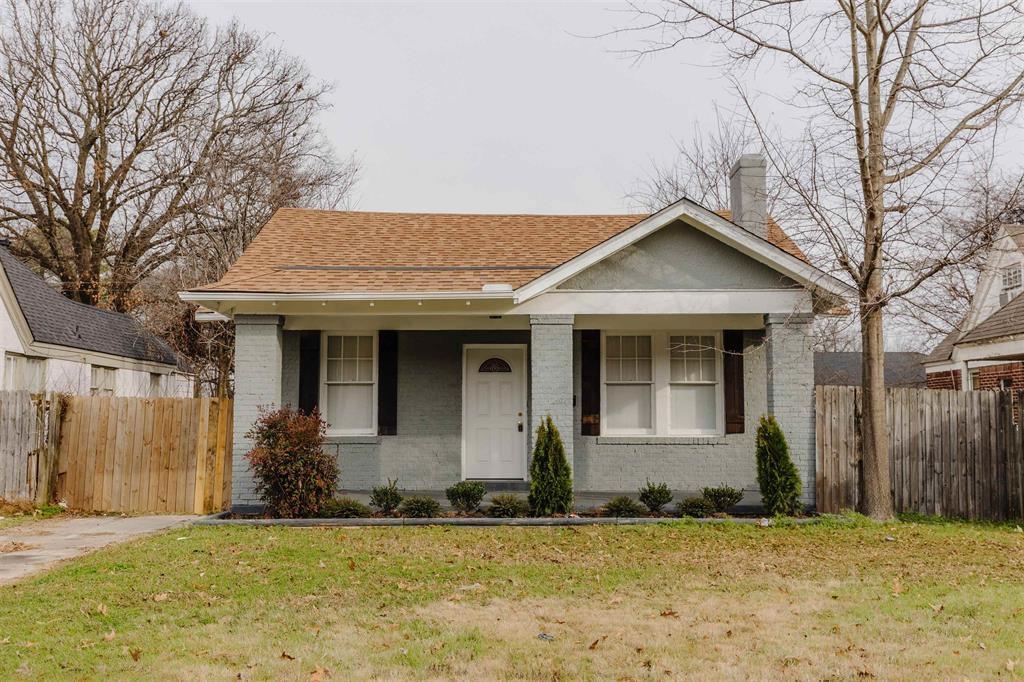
[[123, 128], [700, 168], [898, 97]]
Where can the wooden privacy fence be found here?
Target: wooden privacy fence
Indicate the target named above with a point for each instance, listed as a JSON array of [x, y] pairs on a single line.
[[27, 428], [953, 453], [145, 454], [116, 454]]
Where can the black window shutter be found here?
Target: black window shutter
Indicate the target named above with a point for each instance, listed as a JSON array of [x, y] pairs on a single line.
[[309, 371], [732, 366], [590, 382], [387, 383]]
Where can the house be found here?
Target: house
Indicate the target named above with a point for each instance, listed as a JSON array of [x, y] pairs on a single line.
[[51, 343], [987, 351], [433, 344], [902, 370]]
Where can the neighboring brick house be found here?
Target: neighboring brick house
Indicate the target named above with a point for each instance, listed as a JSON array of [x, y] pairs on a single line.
[[987, 351], [434, 343], [51, 343]]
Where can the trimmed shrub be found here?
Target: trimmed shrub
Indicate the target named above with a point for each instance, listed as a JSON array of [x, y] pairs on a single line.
[[550, 475], [623, 506], [776, 474], [386, 497], [655, 496], [294, 476], [508, 506], [697, 507], [722, 498], [466, 496], [419, 507], [345, 508]]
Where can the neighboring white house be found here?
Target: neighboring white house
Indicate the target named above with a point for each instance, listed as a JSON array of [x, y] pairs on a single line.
[[50, 343], [987, 350]]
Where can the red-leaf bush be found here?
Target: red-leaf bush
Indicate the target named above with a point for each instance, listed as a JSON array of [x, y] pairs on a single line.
[[294, 476]]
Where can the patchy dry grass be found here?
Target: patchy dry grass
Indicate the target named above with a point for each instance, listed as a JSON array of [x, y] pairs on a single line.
[[831, 601], [16, 513]]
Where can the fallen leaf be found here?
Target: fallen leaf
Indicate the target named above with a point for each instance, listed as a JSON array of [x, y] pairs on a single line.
[[1010, 665], [287, 656], [109, 637], [319, 674], [937, 608], [669, 613], [135, 654], [981, 645], [593, 645], [351, 564], [897, 587], [160, 597], [101, 609]]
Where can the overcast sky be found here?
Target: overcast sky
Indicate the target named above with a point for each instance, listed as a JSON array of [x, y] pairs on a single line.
[[490, 107]]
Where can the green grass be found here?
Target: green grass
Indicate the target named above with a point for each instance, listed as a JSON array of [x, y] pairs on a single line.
[[841, 599]]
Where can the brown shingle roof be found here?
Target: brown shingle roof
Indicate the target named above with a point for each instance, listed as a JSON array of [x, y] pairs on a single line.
[[1007, 321], [313, 251]]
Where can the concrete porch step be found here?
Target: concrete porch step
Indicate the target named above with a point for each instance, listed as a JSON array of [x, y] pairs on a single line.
[[504, 485]]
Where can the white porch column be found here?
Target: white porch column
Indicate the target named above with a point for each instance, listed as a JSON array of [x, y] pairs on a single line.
[[258, 348], [790, 360], [551, 376]]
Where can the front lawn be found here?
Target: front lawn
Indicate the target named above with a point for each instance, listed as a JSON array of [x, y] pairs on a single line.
[[904, 600]]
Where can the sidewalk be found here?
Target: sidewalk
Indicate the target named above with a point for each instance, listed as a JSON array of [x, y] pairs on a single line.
[[41, 544]]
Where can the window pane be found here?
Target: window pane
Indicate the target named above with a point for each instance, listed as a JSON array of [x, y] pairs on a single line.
[[350, 407], [676, 346], [349, 346], [692, 370], [629, 407], [365, 347], [614, 344], [628, 370], [628, 346], [693, 408], [334, 346], [643, 370], [707, 370], [364, 370], [334, 370], [613, 371], [348, 370], [643, 346], [678, 370]]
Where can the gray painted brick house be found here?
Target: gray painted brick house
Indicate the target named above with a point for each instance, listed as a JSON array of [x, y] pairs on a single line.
[[434, 343]]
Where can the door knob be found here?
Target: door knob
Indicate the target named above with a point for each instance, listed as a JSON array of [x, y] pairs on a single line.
[[520, 427]]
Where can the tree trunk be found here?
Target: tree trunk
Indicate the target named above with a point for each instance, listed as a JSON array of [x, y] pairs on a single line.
[[876, 501]]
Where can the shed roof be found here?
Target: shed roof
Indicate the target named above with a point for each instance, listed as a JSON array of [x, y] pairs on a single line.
[[55, 319]]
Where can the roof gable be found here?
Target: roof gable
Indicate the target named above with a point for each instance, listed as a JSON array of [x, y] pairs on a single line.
[[304, 251], [56, 320], [678, 256]]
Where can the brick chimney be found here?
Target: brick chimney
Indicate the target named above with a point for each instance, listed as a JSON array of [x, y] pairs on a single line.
[[747, 194]]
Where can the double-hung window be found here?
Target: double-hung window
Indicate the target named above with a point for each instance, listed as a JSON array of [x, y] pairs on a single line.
[[1011, 279], [629, 383], [662, 383], [349, 391], [693, 381], [22, 373], [103, 380]]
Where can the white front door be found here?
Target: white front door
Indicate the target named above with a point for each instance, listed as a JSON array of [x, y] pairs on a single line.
[[494, 411]]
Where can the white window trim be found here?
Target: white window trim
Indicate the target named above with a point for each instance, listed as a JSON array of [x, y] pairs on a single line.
[[661, 386], [324, 407]]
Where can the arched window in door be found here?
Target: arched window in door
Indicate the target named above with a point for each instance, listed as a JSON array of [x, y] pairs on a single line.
[[494, 365]]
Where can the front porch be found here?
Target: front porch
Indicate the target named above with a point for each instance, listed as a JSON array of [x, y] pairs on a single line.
[[443, 399]]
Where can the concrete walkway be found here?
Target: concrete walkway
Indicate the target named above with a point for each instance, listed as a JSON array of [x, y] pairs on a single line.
[[41, 544]]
